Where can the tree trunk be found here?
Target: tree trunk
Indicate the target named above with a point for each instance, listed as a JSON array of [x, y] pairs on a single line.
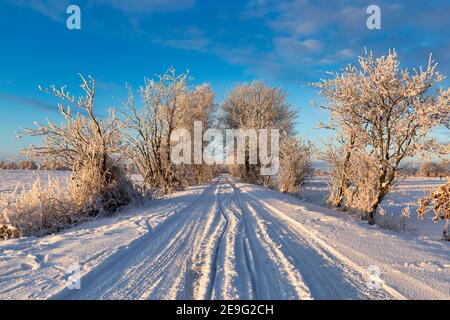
[[340, 193], [374, 207], [445, 234], [371, 217], [247, 167], [344, 180]]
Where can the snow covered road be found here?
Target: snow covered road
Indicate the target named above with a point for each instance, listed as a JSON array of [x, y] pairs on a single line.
[[227, 240]]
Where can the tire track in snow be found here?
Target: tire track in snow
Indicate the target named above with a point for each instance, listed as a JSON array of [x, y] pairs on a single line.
[[316, 242], [428, 290], [286, 279], [326, 277], [246, 248], [226, 243], [221, 260], [181, 282], [249, 262], [115, 275], [232, 279], [207, 248], [219, 244], [238, 277]]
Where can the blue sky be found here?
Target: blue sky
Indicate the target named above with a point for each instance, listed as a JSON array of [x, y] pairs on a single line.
[[286, 43]]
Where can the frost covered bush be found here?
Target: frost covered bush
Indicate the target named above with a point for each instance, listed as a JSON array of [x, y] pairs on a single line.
[[405, 215], [90, 147], [48, 208], [95, 193], [8, 165], [38, 211], [21, 165], [339, 172], [234, 170], [8, 232], [439, 202], [362, 189], [197, 106], [295, 164], [27, 165]]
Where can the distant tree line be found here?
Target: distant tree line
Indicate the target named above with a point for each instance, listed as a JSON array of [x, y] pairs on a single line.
[[20, 165], [435, 169], [29, 165]]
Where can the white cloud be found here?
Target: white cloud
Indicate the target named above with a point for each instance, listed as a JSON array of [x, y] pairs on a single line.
[[191, 38], [294, 46], [56, 9], [146, 6]]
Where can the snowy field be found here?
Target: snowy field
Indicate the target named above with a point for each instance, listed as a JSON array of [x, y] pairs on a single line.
[[231, 240], [406, 194], [18, 180]]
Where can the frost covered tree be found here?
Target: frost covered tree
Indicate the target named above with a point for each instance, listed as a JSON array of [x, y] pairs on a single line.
[[385, 113], [430, 169], [89, 146], [168, 103], [73, 141], [295, 164], [257, 106], [148, 129], [197, 106], [338, 155], [84, 143]]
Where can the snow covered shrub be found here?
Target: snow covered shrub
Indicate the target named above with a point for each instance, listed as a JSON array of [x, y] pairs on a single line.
[[21, 165], [87, 145], [95, 193], [8, 232], [385, 113], [8, 165], [234, 170], [27, 165], [197, 105], [295, 164], [45, 209], [406, 214], [148, 129], [38, 211], [439, 202]]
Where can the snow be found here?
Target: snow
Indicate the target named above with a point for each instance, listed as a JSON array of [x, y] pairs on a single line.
[[406, 194], [12, 180], [231, 240]]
